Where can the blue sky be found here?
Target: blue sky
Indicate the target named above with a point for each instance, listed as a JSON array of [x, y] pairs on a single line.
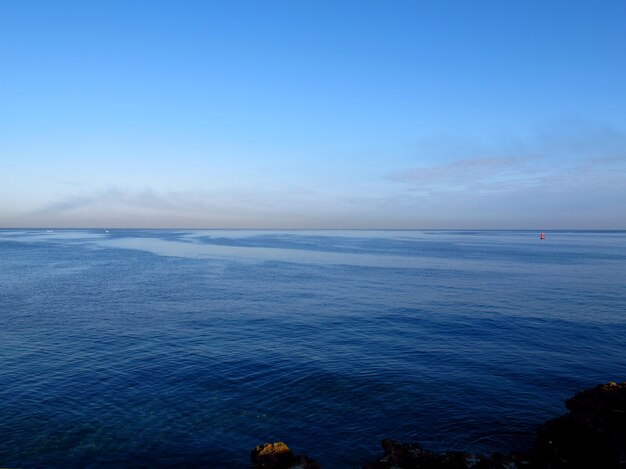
[[313, 114]]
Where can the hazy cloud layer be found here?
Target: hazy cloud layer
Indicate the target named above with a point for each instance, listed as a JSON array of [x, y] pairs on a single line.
[[579, 183], [511, 174], [572, 177], [559, 157], [462, 173], [153, 208]]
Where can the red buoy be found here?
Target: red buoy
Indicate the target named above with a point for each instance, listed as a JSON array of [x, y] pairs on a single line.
[[543, 236]]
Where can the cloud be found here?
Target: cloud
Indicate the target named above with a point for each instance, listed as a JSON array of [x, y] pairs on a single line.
[[75, 202], [188, 208], [146, 199], [487, 179], [606, 161], [560, 157], [572, 177], [577, 139], [461, 173]]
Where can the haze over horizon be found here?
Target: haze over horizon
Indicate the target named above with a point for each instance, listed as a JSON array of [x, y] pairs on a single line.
[[424, 115]]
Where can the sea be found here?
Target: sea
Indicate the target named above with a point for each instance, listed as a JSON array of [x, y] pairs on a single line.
[[187, 348]]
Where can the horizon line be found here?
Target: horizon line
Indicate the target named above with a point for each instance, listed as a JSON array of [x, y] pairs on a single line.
[[312, 229]]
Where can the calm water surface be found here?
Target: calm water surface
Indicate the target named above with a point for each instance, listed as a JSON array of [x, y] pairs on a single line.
[[187, 348]]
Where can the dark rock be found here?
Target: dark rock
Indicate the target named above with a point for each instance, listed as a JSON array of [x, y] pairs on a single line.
[[591, 435], [279, 456], [413, 456], [304, 462]]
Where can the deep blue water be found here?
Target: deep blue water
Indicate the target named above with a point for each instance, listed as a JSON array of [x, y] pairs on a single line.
[[187, 348]]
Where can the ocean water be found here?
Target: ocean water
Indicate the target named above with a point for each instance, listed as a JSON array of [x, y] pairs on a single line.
[[182, 348]]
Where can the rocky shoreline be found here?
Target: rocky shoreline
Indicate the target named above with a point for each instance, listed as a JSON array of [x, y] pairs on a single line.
[[592, 435]]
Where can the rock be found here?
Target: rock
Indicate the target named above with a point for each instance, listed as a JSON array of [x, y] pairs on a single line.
[[304, 462], [413, 456], [592, 434], [279, 456]]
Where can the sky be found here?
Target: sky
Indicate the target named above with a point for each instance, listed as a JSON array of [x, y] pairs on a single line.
[[313, 114]]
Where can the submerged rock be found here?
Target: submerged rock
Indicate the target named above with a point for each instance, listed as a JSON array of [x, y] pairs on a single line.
[[279, 456]]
